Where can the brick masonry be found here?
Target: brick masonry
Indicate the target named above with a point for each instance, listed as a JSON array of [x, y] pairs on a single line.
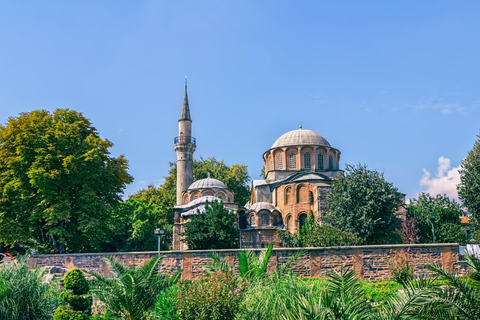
[[369, 262]]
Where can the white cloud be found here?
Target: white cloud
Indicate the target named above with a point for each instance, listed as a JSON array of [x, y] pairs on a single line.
[[445, 181]]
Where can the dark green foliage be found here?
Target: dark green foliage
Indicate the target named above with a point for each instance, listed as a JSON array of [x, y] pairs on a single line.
[[447, 223], [132, 293], [63, 313], [75, 280], [468, 189], [165, 308], [77, 303], [58, 182], [215, 297], [315, 235], [363, 203], [213, 229], [26, 294]]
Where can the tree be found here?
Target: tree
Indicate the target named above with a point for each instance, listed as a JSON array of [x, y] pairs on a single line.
[[469, 187], [213, 229], [363, 203], [447, 214], [235, 178], [58, 182]]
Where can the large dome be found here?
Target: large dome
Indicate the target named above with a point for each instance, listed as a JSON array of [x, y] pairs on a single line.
[[207, 183], [301, 137]]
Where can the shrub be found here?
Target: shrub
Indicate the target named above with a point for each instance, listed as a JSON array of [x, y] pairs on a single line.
[[26, 294], [215, 297], [79, 305], [165, 308], [401, 268]]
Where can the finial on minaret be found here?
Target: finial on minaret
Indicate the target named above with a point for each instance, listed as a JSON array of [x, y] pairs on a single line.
[[300, 126], [185, 108], [208, 175]]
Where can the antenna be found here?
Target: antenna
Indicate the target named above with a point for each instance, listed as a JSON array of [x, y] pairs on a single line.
[[185, 83]]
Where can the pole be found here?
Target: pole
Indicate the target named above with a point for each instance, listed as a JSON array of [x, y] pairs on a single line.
[[159, 245], [433, 233]]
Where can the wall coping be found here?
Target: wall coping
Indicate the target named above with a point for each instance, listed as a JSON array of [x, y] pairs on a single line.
[[380, 246]]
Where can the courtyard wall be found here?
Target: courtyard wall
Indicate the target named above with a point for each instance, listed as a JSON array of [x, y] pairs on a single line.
[[369, 262]]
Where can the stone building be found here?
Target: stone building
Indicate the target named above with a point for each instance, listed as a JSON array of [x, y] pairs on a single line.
[[299, 168]]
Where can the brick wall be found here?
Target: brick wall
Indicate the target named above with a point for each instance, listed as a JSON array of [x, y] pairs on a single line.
[[369, 262]]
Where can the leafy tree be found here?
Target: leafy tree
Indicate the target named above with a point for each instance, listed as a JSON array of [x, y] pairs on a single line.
[[134, 222], [363, 203], [213, 229], [58, 181], [235, 178], [469, 187], [447, 214], [131, 293], [315, 235]]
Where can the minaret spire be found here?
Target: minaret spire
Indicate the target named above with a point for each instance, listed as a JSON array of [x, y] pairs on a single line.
[[185, 115]]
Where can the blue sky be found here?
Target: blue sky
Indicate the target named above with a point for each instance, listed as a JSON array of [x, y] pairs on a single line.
[[394, 85]]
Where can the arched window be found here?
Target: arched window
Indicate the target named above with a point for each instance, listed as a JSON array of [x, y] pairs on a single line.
[[228, 199], [302, 219], [287, 195], [252, 220], [279, 162], [320, 161], [265, 219], [300, 190], [271, 164], [330, 162], [292, 161], [310, 195], [288, 222], [306, 160]]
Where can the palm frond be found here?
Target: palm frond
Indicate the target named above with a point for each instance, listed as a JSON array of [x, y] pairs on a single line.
[[216, 264], [284, 267]]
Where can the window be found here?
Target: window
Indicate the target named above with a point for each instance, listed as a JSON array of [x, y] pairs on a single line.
[[252, 220], [320, 161], [330, 162], [301, 219], [279, 161], [288, 221], [271, 164], [310, 195], [293, 161], [306, 160], [287, 195], [300, 191], [265, 219]]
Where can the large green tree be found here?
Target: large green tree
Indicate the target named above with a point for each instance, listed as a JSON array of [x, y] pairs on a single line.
[[58, 181], [363, 203], [235, 178], [469, 187], [447, 214], [213, 229]]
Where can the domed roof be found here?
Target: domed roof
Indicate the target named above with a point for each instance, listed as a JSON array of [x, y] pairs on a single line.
[[301, 137], [262, 206], [207, 183]]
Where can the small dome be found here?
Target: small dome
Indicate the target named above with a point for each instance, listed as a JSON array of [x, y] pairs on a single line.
[[301, 137], [207, 183], [262, 206]]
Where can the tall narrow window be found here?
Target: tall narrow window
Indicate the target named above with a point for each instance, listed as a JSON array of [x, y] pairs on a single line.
[[293, 161], [310, 196], [287, 195], [320, 161], [279, 162], [252, 220], [306, 160], [302, 219], [330, 162], [265, 219], [271, 164]]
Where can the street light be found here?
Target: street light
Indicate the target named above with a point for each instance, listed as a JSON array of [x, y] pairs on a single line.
[[159, 233], [432, 220]]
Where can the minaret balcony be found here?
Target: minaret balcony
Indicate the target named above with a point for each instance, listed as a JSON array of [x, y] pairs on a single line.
[[185, 139]]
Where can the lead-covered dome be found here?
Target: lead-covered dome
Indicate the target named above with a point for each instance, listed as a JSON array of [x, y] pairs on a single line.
[[207, 183], [301, 137]]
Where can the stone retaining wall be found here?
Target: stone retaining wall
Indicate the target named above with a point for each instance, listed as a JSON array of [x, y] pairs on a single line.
[[369, 262]]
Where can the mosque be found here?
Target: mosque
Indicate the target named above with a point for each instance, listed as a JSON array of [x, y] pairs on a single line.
[[299, 169]]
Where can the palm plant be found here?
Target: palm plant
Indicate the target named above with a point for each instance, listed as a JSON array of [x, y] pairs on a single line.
[[131, 293], [250, 265]]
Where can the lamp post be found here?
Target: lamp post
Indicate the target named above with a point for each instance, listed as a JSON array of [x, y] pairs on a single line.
[[159, 233], [432, 220]]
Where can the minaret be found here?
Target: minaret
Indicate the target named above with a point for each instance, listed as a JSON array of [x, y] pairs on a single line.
[[185, 146]]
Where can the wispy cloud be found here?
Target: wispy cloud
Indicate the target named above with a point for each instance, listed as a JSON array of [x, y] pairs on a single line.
[[462, 105], [444, 182]]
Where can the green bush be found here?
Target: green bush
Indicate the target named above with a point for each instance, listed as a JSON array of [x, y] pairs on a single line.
[[63, 313], [75, 280], [165, 308], [215, 297], [77, 303], [401, 268], [27, 294]]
